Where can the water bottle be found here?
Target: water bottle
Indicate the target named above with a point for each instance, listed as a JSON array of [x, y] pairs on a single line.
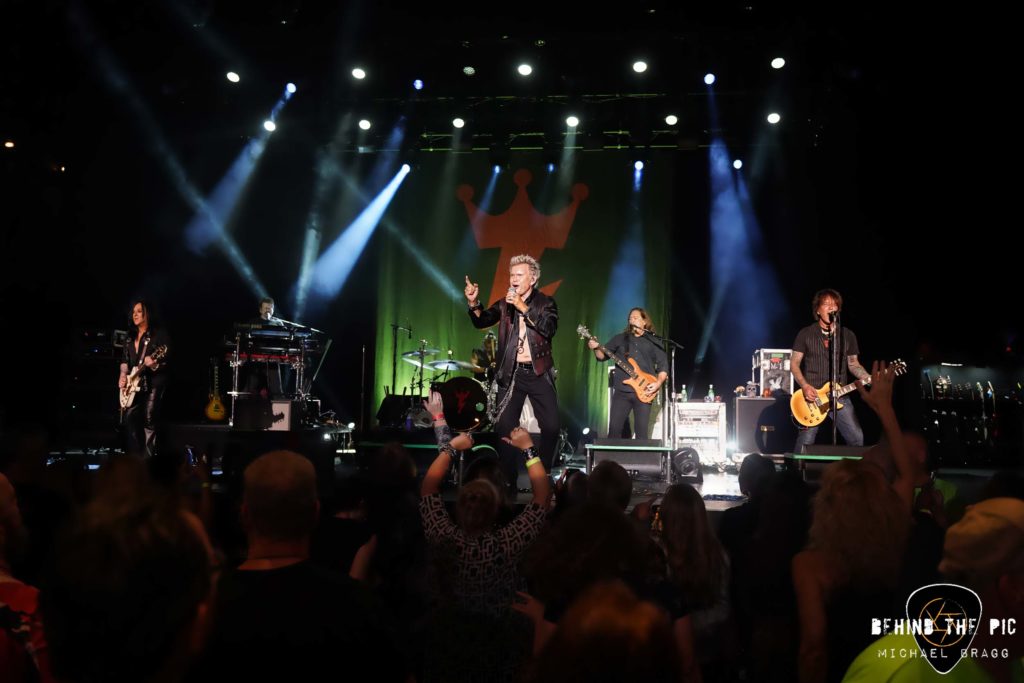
[[685, 398], [710, 398]]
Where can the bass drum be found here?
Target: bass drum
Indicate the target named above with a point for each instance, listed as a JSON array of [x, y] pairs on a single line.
[[465, 404]]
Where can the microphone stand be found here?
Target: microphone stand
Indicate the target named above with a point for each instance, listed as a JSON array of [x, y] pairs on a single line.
[[834, 358], [668, 424], [296, 326], [395, 327]]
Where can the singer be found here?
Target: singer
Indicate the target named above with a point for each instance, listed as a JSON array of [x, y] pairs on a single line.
[[527, 320], [811, 350], [633, 342]]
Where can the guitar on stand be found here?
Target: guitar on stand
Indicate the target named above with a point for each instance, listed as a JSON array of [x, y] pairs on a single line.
[[215, 408], [637, 378], [813, 413]]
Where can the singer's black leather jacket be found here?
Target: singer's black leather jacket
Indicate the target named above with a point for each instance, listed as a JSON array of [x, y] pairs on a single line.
[[541, 324]]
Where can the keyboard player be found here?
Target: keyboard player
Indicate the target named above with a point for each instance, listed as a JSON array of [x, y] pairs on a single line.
[[266, 379]]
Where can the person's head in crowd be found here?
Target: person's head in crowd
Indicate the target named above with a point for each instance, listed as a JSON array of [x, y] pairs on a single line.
[[608, 634], [985, 552], [390, 464], [489, 469], [477, 506], [127, 595], [123, 478], [860, 520], [589, 543], [573, 491], [694, 554], [279, 502], [755, 471], [609, 482]]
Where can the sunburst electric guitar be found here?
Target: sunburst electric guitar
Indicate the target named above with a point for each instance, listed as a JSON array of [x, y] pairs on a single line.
[[813, 413], [215, 408], [638, 379]]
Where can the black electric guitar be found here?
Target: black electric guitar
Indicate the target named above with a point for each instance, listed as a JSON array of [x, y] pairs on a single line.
[[638, 379], [813, 413]]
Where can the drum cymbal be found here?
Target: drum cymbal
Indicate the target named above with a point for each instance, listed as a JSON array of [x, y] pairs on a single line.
[[451, 364], [415, 360], [420, 353]]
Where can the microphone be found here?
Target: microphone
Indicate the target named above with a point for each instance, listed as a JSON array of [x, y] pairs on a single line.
[[638, 328], [832, 316]]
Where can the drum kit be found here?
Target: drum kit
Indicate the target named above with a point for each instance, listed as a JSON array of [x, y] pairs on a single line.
[[465, 399]]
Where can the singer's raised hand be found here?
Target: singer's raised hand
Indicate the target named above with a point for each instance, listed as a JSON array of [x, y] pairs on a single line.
[[472, 291]]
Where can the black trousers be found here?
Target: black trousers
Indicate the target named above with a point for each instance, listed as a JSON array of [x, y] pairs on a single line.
[[625, 401], [273, 377], [541, 391], [141, 419]]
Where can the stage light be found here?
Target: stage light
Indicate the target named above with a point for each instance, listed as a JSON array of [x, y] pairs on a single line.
[[417, 84], [778, 63], [709, 79], [358, 74], [639, 165], [737, 164], [572, 121], [525, 69], [671, 119], [364, 124], [270, 126], [774, 118], [290, 88], [468, 70], [639, 67], [233, 77], [458, 123]]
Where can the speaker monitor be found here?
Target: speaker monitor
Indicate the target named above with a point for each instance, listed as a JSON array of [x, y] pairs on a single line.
[[763, 425], [834, 452], [825, 455], [263, 415], [395, 408], [643, 463]]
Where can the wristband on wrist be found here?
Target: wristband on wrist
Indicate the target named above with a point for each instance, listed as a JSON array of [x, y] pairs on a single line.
[[532, 461], [530, 453], [439, 416]]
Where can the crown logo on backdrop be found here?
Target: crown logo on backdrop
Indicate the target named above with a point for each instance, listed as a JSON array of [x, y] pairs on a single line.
[[520, 230]]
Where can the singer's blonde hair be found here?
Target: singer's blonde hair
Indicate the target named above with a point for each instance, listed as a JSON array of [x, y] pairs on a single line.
[[528, 260]]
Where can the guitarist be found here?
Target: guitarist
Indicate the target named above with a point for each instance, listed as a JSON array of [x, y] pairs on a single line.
[[633, 342], [809, 363], [141, 416]]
